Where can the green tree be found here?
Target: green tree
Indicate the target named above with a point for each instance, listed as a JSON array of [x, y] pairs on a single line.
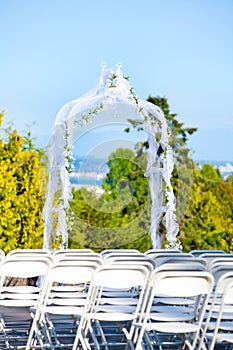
[[179, 133], [121, 215], [210, 174], [21, 225], [208, 222], [230, 179], [182, 177], [126, 177]]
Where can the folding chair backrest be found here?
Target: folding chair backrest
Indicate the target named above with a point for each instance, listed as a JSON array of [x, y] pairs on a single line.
[[154, 252], [25, 252], [72, 251], [222, 274], [120, 276], [159, 257], [117, 251], [180, 266], [112, 256], [210, 257], [184, 259], [181, 283], [226, 259], [15, 274], [24, 267], [108, 256], [228, 292], [74, 257], [71, 272], [149, 263], [198, 252]]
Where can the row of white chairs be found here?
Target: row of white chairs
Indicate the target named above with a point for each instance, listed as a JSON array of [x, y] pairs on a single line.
[[80, 293]]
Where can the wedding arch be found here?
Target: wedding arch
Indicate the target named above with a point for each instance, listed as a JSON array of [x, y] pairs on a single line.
[[112, 99]]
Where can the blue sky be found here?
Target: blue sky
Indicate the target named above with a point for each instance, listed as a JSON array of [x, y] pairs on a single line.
[[51, 51]]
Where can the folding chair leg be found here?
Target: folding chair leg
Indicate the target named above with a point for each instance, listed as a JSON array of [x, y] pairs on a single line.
[[80, 338]]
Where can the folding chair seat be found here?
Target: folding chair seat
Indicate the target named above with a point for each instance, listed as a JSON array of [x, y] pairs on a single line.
[[219, 320], [174, 328], [16, 300], [104, 317], [60, 306]]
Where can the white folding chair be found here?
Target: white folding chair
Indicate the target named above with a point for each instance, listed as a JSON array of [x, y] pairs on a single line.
[[219, 321], [16, 300], [175, 328], [182, 306], [119, 310], [61, 304]]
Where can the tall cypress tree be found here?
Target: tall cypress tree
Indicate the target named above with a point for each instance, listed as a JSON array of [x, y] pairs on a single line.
[[21, 203]]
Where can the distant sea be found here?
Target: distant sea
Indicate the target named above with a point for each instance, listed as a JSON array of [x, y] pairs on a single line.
[[86, 180], [225, 169], [215, 163]]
